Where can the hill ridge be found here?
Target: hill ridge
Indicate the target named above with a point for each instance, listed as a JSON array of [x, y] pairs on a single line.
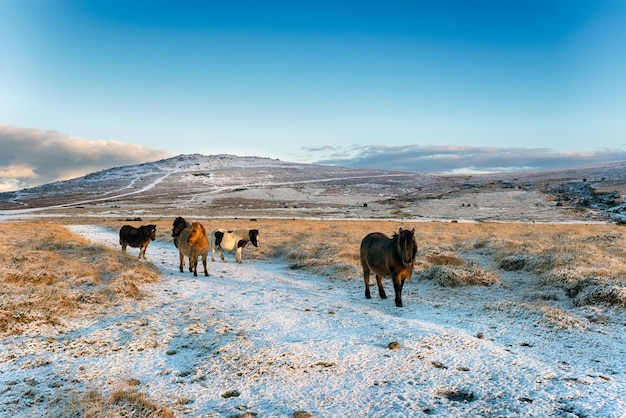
[[231, 185]]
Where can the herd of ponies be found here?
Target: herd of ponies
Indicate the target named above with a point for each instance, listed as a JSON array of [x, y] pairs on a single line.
[[381, 255]]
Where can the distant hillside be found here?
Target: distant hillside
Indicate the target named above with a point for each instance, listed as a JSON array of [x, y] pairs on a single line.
[[227, 185]]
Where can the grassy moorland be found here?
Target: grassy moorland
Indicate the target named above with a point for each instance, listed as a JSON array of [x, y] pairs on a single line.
[[47, 274]]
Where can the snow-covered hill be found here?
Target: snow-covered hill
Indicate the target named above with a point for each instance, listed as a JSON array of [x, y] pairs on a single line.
[[227, 185]]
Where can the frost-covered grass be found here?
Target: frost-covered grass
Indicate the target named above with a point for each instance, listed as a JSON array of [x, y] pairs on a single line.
[[49, 274], [89, 332]]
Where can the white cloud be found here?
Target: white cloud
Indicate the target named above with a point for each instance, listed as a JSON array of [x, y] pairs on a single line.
[[31, 157], [8, 185], [18, 171], [460, 159]]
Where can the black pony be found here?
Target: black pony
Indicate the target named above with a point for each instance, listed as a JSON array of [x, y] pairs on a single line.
[[386, 256]]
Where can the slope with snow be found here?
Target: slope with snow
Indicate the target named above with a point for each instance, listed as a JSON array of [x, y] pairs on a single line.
[[230, 186]]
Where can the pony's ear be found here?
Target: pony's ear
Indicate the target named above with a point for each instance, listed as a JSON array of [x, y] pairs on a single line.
[[413, 231], [400, 232]]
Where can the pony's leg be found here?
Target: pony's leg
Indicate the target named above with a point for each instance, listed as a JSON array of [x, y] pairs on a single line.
[[182, 261], [238, 255], [397, 286], [366, 277], [124, 248], [219, 251], [192, 263], [381, 291], [212, 253], [195, 266], [204, 257]]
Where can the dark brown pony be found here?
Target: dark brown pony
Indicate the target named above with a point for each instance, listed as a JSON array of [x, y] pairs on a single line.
[[137, 238], [177, 227], [386, 256]]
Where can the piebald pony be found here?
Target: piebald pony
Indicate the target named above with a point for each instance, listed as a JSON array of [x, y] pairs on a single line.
[[225, 240]]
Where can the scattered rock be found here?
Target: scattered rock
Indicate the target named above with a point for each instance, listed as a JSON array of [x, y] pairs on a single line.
[[231, 393], [394, 345], [456, 395], [302, 414], [324, 364], [247, 414]]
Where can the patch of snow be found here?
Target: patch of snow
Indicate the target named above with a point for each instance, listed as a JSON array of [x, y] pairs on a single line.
[[283, 340]]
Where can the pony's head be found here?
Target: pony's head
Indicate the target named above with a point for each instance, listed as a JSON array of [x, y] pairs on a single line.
[[196, 232], [152, 231], [178, 226], [406, 245]]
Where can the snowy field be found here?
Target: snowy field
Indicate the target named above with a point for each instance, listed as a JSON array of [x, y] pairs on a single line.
[[260, 339]]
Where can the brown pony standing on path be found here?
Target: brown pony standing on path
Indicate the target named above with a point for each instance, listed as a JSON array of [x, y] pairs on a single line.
[[386, 256], [192, 241]]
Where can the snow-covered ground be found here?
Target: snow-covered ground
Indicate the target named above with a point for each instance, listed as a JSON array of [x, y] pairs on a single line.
[[258, 337]]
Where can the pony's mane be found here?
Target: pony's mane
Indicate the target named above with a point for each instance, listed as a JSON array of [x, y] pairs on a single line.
[[404, 232]]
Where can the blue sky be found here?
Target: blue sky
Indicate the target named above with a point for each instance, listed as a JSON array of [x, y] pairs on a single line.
[[426, 86]]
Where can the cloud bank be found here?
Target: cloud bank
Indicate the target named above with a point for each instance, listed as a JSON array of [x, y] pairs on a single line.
[[31, 157], [459, 159]]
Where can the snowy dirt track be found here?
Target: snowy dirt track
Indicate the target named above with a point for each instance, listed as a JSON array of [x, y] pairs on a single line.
[[258, 337]]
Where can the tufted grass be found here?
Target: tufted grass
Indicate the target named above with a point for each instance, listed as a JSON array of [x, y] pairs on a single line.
[[584, 263], [49, 274]]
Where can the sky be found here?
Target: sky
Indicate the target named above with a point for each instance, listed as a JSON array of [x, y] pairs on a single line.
[[435, 86]]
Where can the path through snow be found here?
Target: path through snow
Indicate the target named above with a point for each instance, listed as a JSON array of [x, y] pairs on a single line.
[[262, 338]]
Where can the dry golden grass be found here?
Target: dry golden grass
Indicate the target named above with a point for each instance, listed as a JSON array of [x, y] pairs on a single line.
[[123, 402], [586, 262], [48, 274]]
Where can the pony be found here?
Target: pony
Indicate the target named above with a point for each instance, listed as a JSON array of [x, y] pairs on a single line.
[[179, 224], [191, 241], [222, 239], [137, 238], [386, 256]]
